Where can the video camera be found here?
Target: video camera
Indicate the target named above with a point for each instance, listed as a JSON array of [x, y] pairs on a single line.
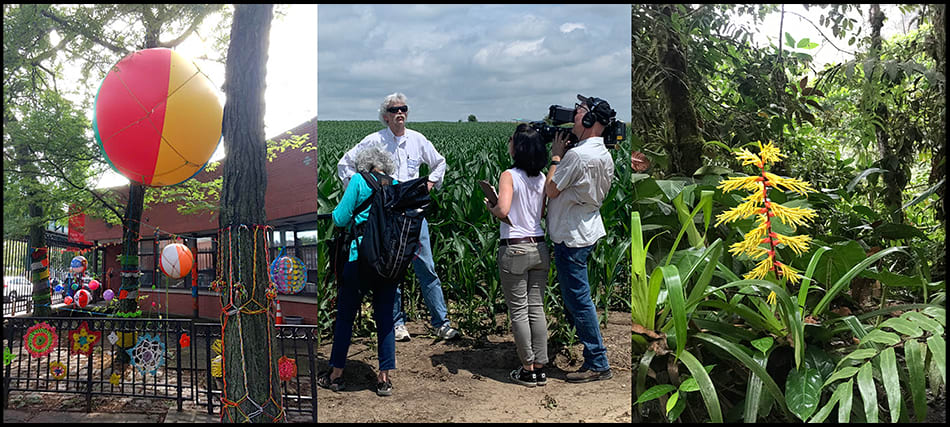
[[615, 131]]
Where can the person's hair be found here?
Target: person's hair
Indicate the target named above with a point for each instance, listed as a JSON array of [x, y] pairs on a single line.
[[530, 152], [388, 102], [375, 157]]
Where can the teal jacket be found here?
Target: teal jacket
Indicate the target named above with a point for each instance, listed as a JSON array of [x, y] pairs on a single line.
[[343, 216]]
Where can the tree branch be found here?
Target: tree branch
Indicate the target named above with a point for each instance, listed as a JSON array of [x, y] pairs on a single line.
[[63, 24]]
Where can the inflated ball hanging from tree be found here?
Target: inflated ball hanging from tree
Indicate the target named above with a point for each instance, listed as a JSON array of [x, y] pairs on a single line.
[[289, 273], [157, 118], [176, 261]]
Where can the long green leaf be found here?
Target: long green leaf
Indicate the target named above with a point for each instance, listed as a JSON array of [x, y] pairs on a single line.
[[916, 378], [938, 348], [846, 372], [845, 280], [706, 387], [753, 394], [642, 370], [904, 326], [891, 379], [924, 195], [671, 277], [823, 413], [736, 351], [844, 407], [655, 392], [868, 392], [700, 287], [806, 281], [862, 175]]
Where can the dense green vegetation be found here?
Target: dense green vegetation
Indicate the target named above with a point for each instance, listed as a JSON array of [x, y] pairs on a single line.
[[861, 331], [465, 235]]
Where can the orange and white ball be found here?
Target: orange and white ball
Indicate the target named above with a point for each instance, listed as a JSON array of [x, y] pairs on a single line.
[[176, 261]]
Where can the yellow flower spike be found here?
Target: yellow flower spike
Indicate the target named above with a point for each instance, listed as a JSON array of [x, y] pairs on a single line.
[[748, 158], [770, 153], [791, 184], [743, 211], [788, 272], [771, 299], [793, 216], [747, 183], [799, 244], [760, 270]]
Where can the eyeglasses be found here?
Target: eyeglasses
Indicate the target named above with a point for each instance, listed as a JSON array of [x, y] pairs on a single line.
[[394, 110]]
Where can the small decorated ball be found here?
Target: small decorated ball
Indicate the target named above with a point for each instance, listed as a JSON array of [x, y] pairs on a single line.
[[289, 274], [78, 264], [59, 288], [108, 295], [176, 260], [68, 300], [83, 298], [93, 284]]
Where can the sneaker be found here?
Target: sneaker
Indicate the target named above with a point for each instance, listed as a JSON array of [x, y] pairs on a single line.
[[523, 377], [384, 388], [402, 334], [584, 375], [323, 380], [541, 377], [447, 332]]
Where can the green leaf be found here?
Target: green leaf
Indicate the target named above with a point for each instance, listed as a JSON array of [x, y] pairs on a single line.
[[674, 413], [802, 391], [816, 358], [881, 337], [846, 279], [859, 355], [904, 326], [806, 281], [840, 374], [916, 378], [864, 174], [789, 41], [706, 388], [920, 197], [753, 395], [671, 402], [655, 392], [671, 188], [823, 413], [938, 348], [642, 370], [742, 355], [689, 385], [713, 170], [763, 344], [891, 379], [671, 277], [868, 392], [844, 407], [926, 323], [893, 231]]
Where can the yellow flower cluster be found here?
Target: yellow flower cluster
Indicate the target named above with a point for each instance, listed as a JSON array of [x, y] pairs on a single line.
[[758, 203]]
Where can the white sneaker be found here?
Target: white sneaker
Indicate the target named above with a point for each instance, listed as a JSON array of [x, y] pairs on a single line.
[[447, 332], [401, 333]]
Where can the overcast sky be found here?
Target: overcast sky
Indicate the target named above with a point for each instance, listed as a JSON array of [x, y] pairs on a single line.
[[498, 62]]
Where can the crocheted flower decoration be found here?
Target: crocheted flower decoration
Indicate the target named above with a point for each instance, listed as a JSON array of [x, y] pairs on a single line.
[[148, 354], [185, 340], [216, 370], [57, 370], [8, 356], [83, 340], [115, 379], [113, 338], [286, 368], [40, 339]]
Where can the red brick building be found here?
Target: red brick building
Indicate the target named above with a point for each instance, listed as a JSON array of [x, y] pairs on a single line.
[[291, 208]]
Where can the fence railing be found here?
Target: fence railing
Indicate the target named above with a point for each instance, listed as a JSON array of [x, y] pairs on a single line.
[[144, 358]]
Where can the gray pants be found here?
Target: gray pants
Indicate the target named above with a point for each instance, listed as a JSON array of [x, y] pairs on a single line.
[[523, 269]]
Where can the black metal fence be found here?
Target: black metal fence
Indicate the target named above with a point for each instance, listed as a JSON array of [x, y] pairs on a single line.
[[145, 358]]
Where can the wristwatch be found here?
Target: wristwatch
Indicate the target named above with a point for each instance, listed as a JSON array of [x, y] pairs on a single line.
[[555, 162]]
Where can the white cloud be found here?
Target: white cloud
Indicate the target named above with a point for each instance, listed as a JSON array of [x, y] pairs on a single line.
[[571, 26]]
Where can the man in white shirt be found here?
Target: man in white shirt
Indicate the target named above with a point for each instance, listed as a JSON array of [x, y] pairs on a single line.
[[578, 180], [410, 149]]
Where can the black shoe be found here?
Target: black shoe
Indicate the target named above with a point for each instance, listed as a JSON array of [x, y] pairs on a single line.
[[523, 377], [584, 375], [384, 388], [541, 377], [323, 380]]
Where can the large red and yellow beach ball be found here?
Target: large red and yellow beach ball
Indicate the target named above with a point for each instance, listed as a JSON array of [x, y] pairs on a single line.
[[176, 261], [157, 117]]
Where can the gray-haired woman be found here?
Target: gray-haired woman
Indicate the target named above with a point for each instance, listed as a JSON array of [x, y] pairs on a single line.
[[350, 293]]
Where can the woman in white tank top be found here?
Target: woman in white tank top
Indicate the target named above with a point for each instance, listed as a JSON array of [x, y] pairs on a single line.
[[523, 257]]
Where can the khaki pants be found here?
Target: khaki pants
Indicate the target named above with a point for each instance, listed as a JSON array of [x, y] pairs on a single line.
[[523, 270]]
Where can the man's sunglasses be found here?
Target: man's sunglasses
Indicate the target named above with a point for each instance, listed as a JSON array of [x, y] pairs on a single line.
[[402, 109]]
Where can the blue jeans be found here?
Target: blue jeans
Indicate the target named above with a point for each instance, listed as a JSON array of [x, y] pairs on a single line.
[[349, 297], [581, 313], [424, 267]]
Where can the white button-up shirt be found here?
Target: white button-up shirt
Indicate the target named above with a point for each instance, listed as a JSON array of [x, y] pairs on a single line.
[[583, 177], [409, 152]]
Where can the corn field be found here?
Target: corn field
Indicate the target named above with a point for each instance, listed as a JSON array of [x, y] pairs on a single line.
[[464, 234]]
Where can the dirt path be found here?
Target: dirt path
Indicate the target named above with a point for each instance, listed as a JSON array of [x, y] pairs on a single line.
[[453, 381]]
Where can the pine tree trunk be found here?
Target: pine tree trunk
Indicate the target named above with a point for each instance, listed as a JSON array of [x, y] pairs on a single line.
[[686, 148], [252, 387]]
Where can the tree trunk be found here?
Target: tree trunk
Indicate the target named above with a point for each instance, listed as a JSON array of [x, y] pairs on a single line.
[[39, 262], [251, 383], [130, 248], [894, 179], [937, 47], [686, 148]]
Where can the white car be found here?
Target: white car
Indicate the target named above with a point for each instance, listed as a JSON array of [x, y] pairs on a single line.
[[16, 286]]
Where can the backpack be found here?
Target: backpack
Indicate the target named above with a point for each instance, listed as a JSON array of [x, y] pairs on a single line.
[[391, 232]]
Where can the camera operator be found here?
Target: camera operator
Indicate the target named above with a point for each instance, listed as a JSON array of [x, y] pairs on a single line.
[[577, 182]]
